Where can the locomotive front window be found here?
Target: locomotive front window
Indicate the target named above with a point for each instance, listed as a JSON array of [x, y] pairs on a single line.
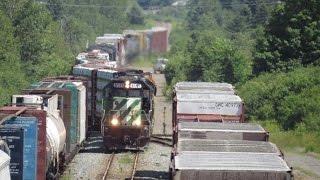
[[134, 93], [120, 93]]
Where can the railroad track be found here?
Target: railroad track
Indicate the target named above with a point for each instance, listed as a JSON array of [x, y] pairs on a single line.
[[111, 162], [161, 140]]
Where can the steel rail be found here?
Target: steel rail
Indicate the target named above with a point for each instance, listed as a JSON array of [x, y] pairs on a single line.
[[110, 160]]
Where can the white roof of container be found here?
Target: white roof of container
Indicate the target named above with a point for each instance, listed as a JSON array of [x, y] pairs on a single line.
[[113, 35], [107, 70], [226, 127], [233, 161], [209, 98], [204, 85], [202, 145], [204, 91]]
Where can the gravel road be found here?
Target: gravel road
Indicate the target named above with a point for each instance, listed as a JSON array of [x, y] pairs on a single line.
[[86, 166], [163, 108], [305, 167]]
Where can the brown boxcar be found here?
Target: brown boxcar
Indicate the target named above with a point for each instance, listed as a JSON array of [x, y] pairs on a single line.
[[41, 116]]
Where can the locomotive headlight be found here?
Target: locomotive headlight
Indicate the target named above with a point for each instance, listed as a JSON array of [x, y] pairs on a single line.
[[127, 84], [114, 122], [137, 122]]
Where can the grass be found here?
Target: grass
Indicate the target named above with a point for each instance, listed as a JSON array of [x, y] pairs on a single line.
[[299, 140], [126, 159], [145, 60]]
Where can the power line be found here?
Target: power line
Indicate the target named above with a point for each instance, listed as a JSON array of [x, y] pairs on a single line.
[[122, 6]]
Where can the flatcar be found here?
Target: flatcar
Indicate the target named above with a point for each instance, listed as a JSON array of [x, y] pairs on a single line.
[[128, 105]]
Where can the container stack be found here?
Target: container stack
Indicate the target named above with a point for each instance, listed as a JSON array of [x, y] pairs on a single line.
[[205, 147]]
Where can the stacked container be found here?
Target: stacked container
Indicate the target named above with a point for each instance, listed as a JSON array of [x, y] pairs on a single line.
[[210, 143], [206, 102]]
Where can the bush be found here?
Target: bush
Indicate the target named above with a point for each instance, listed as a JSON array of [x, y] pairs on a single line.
[[290, 98]]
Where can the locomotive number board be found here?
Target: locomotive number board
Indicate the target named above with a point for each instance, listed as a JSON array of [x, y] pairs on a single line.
[[131, 85]]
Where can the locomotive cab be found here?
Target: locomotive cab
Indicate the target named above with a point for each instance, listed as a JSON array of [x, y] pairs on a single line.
[[128, 112]]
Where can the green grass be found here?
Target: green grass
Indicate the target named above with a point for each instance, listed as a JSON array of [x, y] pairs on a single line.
[[145, 60], [293, 140], [126, 159]]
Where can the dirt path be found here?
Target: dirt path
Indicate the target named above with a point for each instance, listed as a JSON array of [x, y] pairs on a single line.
[[305, 166], [163, 108]]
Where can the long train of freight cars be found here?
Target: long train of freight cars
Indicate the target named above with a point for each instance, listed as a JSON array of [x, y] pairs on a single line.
[[211, 140], [45, 125]]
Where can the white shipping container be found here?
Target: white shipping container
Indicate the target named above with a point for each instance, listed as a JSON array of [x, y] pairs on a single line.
[[82, 71], [201, 91], [106, 74], [209, 104], [4, 166], [231, 166], [203, 86], [82, 118]]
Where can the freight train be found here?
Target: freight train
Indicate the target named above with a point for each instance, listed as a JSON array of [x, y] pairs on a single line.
[[47, 124], [211, 140]]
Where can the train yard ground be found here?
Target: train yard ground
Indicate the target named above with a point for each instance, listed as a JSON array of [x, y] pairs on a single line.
[[152, 163]]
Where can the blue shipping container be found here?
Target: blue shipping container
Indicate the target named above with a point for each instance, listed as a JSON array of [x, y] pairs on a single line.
[[14, 137], [30, 126]]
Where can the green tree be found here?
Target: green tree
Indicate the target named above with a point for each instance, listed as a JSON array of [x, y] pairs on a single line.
[[135, 15], [291, 38], [11, 74], [214, 58]]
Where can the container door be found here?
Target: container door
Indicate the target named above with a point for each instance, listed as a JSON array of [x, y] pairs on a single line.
[[30, 151]]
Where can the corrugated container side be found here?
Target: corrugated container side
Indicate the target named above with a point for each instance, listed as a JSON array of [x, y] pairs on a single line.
[[220, 131], [159, 43], [82, 114], [231, 166], [30, 126], [73, 134], [195, 145], [14, 137]]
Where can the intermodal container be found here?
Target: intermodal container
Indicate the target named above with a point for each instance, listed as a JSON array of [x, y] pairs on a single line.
[[220, 131], [230, 166], [204, 145]]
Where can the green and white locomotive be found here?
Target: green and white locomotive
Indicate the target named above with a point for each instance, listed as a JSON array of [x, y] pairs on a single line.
[[128, 105]]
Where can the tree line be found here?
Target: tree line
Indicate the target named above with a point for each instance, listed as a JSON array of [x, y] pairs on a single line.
[[268, 49], [41, 38]]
